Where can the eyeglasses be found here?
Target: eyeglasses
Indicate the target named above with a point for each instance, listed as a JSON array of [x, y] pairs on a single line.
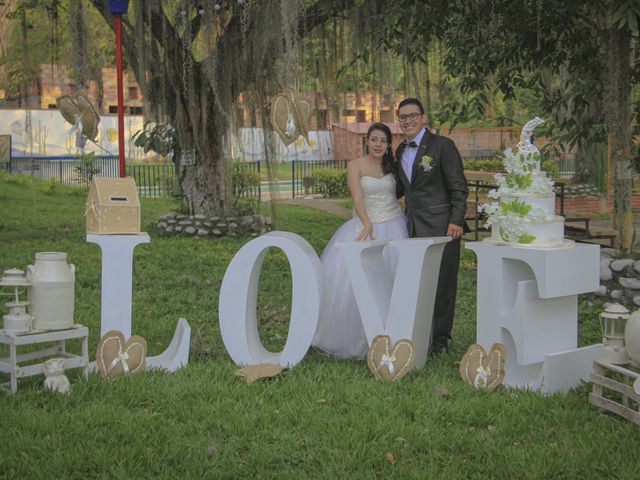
[[410, 116]]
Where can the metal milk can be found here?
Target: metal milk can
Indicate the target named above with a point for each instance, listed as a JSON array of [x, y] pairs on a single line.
[[52, 291], [632, 337]]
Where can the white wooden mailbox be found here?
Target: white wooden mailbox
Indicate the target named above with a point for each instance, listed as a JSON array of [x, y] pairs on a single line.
[[113, 207]]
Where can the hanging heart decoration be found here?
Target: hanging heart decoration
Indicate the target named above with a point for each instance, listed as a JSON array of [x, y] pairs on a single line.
[[78, 110], [290, 117]]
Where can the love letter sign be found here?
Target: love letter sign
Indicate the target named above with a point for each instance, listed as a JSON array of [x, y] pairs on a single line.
[[398, 304]]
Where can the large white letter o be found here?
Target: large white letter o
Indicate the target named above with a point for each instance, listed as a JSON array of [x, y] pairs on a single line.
[[239, 293]]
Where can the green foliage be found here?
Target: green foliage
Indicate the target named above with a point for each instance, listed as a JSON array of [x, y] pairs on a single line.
[[551, 167], [160, 138], [49, 40], [50, 186], [245, 182], [486, 165], [245, 206], [627, 15], [331, 182], [87, 168], [22, 180], [519, 181], [526, 238], [245, 187], [516, 207]]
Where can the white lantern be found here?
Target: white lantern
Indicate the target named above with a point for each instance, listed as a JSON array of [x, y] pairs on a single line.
[[614, 320], [17, 320]]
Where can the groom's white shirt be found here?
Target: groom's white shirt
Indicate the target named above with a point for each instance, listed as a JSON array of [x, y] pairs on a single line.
[[409, 155]]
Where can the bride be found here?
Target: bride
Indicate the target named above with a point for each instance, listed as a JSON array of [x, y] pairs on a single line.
[[377, 215]]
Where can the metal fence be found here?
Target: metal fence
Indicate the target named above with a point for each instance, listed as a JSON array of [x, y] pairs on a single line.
[[152, 180], [156, 180], [306, 168], [247, 190], [566, 166]]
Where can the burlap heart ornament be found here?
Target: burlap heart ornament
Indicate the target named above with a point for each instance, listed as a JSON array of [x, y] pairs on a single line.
[[290, 117], [390, 363], [484, 370], [116, 357], [78, 110]]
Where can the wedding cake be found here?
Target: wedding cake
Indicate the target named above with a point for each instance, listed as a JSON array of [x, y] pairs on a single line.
[[525, 214]]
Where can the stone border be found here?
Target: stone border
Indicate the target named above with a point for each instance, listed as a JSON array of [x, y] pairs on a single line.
[[619, 278], [172, 224]]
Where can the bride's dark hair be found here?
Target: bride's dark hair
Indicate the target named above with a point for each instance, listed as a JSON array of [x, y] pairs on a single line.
[[388, 161]]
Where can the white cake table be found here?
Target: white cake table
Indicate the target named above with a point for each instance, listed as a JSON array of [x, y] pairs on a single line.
[[10, 365]]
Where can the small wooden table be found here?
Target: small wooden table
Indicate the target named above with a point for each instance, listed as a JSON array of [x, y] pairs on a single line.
[[10, 365]]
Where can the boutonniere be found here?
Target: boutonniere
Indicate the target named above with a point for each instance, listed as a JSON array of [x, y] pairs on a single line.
[[426, 163]]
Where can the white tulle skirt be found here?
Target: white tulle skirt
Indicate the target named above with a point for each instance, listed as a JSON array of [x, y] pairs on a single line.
[[340, 332]]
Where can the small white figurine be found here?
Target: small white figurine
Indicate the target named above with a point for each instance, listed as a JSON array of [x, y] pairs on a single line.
[[55, 379]]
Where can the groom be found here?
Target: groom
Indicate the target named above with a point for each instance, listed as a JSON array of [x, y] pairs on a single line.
[[431, 178]]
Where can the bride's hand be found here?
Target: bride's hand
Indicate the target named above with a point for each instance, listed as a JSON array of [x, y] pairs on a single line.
[[366, 233]]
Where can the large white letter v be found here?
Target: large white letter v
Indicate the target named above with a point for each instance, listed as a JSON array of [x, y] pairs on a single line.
[[400, 306]]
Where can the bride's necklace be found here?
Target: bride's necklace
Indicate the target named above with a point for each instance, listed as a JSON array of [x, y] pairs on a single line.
[[379, 172]]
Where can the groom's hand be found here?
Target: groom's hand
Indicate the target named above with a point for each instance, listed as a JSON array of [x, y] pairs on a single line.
[[454, 231]]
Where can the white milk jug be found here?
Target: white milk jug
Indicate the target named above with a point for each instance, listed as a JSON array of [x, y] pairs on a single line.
[[632, 337], [52, 291]]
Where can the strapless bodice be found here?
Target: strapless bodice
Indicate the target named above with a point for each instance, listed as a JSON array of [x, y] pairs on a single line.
[[379, 197]]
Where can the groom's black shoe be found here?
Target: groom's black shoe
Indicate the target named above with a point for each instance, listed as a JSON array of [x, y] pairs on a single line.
[[439, 345]]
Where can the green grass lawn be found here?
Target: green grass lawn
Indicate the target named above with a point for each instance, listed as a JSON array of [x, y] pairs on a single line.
[[281, 171], [323, 419]]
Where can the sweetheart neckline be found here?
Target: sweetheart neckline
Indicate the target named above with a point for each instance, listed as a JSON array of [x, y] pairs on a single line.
[[380, 178]]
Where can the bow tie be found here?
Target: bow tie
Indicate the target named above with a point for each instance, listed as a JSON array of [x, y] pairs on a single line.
[[410, 144]]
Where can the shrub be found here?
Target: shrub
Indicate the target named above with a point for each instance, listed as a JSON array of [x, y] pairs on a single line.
[[15, 179], [245, 187], [87, 168], [331, 183], [245, 206], [551, 167], [244, 182], [495, 165], [489, 165], [50, 186]]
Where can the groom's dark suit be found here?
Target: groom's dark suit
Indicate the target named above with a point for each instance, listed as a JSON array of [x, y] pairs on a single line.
[[434, 199]]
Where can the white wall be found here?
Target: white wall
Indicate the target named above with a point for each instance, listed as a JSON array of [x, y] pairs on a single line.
[[249, 145], [51, 135]]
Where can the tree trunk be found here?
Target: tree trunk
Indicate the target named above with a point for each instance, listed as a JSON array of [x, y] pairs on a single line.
[[427, 97], [206, 184], [618, 100], [201, 93]]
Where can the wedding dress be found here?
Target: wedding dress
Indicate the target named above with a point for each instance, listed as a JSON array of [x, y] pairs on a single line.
[[340, 332]]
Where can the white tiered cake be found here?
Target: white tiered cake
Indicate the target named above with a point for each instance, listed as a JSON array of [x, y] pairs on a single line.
[[525, 215]]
